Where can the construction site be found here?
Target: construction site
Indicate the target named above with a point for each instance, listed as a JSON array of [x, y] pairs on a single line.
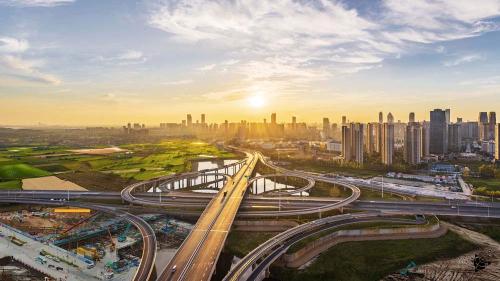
[[77, 243]]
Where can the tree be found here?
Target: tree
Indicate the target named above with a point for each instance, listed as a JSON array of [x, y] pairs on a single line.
[[487, 171]]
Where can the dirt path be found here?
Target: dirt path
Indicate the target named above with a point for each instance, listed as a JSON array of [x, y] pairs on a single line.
[[474, 237], [462, 267]]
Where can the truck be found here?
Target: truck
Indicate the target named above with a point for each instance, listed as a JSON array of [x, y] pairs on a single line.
[[41, 260]]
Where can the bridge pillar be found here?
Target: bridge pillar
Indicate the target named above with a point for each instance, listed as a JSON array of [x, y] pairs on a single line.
[[341, 210], [264, 184], [319, 214]]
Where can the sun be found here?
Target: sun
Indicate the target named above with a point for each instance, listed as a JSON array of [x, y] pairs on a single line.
[[256, 101]]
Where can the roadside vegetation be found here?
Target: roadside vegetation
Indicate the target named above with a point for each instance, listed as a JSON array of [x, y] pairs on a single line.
[[240, 243], [487, 182], [372, 260]]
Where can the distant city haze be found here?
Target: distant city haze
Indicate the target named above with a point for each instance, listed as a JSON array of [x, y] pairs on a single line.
[[105, 63]]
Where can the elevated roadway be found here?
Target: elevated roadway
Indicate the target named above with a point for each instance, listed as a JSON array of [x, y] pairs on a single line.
[[197, 257], [257, 261]]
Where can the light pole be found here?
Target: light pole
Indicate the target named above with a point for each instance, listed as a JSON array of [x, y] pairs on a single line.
[[383, 186]]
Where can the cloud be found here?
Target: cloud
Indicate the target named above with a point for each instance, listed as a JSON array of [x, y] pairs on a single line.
[[306, 41], [206, 67], [27, 70], [131, 55], [13, 45], [125, 58], [463, 59], [12, 63], [178, 82], [35, 3]]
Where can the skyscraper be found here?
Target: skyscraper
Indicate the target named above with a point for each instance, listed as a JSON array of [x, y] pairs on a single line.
[[425, 138], [203, 118], [387, 152], [346, 143], [390, 118], [352, 142], [455, 137], [411, 118], [189, 120], [273, 118], [497, 142], [438, 132], [483, 117], [371, 136], [344, 120], [483, 126], [413, 143], [326, 128], [492, 119], [380, 117]]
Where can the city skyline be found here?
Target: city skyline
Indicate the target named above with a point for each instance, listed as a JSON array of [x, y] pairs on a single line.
[[103, 62]]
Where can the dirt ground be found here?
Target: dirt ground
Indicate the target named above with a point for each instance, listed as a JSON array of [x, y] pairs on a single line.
[[460, 268], [98, 151], [50, 183]]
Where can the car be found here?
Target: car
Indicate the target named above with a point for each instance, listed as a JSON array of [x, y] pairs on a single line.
[[174, 268], [453, 207], [59, 268], [52, 266]]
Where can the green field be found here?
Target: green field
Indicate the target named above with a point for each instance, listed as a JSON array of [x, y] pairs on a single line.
[[372, 260], [240, 243], [139, 162], [15, 184], [20, 171]]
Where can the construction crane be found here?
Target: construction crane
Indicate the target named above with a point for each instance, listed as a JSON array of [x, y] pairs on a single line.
[[79, 223], [123, 236], [112, 247]]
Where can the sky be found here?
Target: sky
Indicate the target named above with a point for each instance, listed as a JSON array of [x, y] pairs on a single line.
[[109, 62]]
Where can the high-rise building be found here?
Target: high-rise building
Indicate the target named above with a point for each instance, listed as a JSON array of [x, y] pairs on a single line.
[[438, 132], [411, 117], [203, 118], [470, 131], [346, 143], [413, 143], [483, 117], [497, 142], [273, 119], [387, 151], [352, 142], [371, 137], [390, 118], [426, 138], [380, 117], [326, 128], [492, 119], [344, 120], [455, 137], [447, 114], [294, 122], [189, 119]]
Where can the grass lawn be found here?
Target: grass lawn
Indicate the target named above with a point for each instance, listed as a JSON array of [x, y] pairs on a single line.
[[21, 171], [372, 260], [15, 184], [489, 184], [240, 243]]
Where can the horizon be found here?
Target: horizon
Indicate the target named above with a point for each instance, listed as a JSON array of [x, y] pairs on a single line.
[[107, 62]]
